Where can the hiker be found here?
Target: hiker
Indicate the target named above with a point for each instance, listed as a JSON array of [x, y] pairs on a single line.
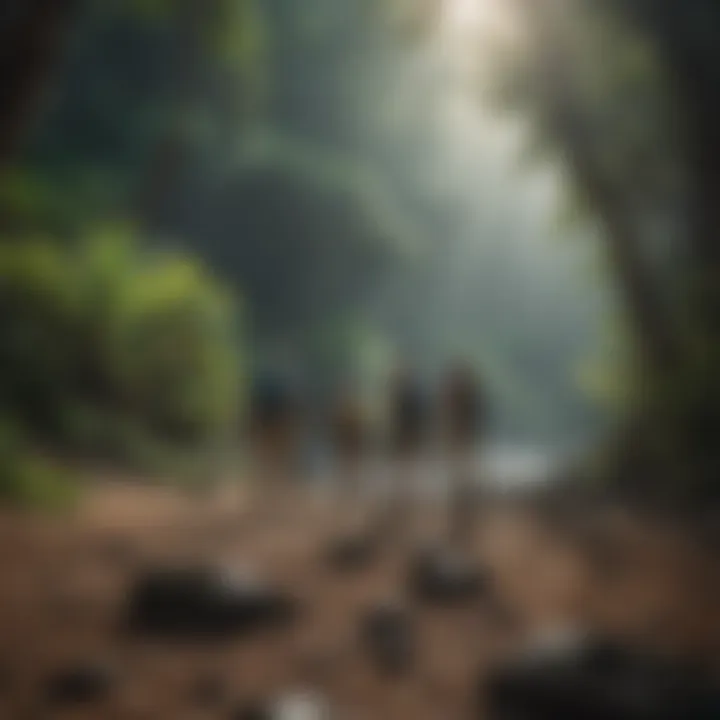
[[408, 428], [349, 437], [461, 409], [274, 432]]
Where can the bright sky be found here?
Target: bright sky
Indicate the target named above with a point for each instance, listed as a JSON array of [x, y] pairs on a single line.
[[480, 142], [466, 13], [473, 30], [471, 17]]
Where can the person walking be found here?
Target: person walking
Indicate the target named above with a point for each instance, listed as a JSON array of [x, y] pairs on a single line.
[[462, 419]]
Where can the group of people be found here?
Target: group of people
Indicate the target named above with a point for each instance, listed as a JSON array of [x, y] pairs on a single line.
[[452, 419]]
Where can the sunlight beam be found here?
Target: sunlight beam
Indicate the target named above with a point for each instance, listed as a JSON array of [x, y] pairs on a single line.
[[471, 18], [464, 14]]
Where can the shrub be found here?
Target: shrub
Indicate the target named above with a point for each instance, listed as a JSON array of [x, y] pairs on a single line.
[[106, 340]]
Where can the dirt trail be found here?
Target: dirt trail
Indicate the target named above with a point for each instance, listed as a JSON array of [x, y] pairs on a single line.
[[63, 581]]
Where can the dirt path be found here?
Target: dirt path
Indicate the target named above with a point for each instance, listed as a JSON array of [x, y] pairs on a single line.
[[63, 582]]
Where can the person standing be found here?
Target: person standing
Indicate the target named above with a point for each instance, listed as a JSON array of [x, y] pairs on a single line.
[[349, 437], [408, 435], [462, 419], [274, 428]]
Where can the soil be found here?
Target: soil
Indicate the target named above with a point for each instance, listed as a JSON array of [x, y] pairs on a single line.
[[63, 584]]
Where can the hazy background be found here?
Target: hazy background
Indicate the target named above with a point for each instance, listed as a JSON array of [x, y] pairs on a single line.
[[201, 199], [205, 192]]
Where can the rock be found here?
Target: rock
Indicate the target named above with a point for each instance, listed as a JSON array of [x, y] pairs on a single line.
[[388, 634], [84, 683], [190, 602], [444, 577], [597, 680], [351, 553]]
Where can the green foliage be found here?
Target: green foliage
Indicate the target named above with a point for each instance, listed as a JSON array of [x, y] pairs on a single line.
[[28, 480], [594, 95], [255, 133], [232, 30], [105, 341], [305, 237]]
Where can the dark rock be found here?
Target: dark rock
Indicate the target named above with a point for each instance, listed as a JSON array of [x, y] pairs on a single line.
[[597, 681], [81, 684], [444, 577], [351, 553], [388, 635], [204, 602]]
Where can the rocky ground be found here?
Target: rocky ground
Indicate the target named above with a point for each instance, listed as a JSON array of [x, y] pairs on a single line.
[[64, 586]]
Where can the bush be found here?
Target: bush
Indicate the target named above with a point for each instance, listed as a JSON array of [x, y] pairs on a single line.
[[30, 481], [106, 341]]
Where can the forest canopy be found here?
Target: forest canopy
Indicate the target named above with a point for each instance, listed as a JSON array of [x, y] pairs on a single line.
[[332, 186]]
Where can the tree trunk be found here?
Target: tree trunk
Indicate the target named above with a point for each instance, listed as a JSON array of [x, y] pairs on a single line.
[[687, 34], [647, 314], [688, 37], [675, 446], [30, 47], [171, 153]]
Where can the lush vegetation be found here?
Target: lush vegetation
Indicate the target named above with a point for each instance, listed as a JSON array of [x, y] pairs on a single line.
[[108, 344], [638, 128], [307, 188]]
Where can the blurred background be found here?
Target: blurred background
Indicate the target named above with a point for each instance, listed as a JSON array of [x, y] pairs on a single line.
[[244, 243], [197, 193]]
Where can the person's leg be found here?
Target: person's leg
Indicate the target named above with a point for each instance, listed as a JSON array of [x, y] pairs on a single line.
[[462, 493]]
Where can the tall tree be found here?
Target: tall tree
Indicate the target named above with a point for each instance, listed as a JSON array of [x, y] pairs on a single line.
[[32, 37], [687, 36], [679, 333]]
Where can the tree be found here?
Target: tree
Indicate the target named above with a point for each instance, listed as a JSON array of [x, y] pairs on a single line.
[[686, 35], [104, 339], [32, 41], [304, 235], [676, 332]]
